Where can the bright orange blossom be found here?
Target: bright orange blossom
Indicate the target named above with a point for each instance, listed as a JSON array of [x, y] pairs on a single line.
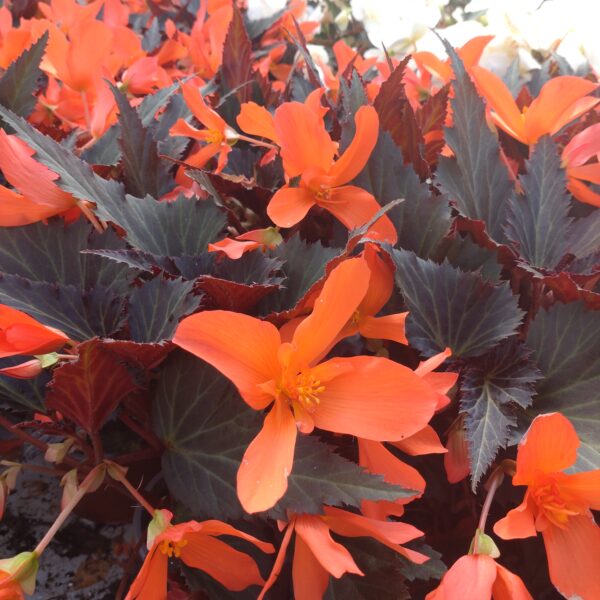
[[370, 397]]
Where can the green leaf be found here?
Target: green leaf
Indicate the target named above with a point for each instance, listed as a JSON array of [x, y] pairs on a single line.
[[451, 308], [206, 428], [20, 80], [423, 219], [475, 178], [81, 314], [183, 227], [156, 307], [145, 174], [465, 254], [492, 388], [53, 253], [303, 266], [566, 347], [538, 221], [320, 476]]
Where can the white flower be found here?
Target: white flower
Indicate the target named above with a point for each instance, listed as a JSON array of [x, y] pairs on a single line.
[[396, 22], [263, 9]]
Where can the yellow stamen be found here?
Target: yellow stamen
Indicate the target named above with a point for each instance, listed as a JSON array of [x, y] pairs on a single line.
[[172, 548]]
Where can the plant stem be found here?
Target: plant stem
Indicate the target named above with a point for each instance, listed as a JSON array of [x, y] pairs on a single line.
[[495, 481], [118, 474], [68, 509], [97, 446]]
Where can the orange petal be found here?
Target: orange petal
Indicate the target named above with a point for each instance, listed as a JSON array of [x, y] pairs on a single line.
[[573, 557], [589, 172], [471, 52], [550, 445], [151, 581], [257, 120], [509, 586], [583, 193], [519, 522], [425, 441], [376, 458], [355, 207], [309, 577], [471, 577], [207, 116], [17, 210], [379, 400], [389, 327], [203, 155], [244, 349], [267, 463], [582, 147], [31, 178], [289, 206], [557, 104], [388, 533], [184, 129], [279, 560], [585, 487], [500, 100], [342, 292], [232, 568], [233, 249], [356, 155], [303, 139], [215, 527], [381, 282], [333, 557], [426, 60]]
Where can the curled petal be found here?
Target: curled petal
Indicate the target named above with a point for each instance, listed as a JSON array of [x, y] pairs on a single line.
[[289, 206]]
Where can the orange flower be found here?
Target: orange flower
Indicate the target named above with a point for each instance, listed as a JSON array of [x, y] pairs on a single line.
[[376, 458], [257, 238], [10, 588], [558, 505], [381, 286], [369, 397], [317, 555], [217, 134], [40, 197], [583, 147], [20, 334], [198, 546], [479, 577], [560, 101], [308, 151]]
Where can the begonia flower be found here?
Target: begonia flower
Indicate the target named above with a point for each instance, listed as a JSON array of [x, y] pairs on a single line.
[[557, 504], [369, 397], [560, 101], [198, 546], [575, 158], [317, 556], [246, 242]]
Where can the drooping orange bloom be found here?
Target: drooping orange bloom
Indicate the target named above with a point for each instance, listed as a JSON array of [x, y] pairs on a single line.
[[21, 334], [558, 504], [381, 286], [251, 240], [376, 458], [456, 462], [317, 556], [40, 197], [370, 397], [575, 158], [217, 135], [10, 589], [308, 151], [479, 577], [27, 370], [198, 546], [560, 101]]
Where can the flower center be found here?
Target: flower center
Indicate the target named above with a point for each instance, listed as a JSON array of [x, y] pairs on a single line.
[[304, 390], [553, 505], [172, 548], [322, 193], [213, 136]]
